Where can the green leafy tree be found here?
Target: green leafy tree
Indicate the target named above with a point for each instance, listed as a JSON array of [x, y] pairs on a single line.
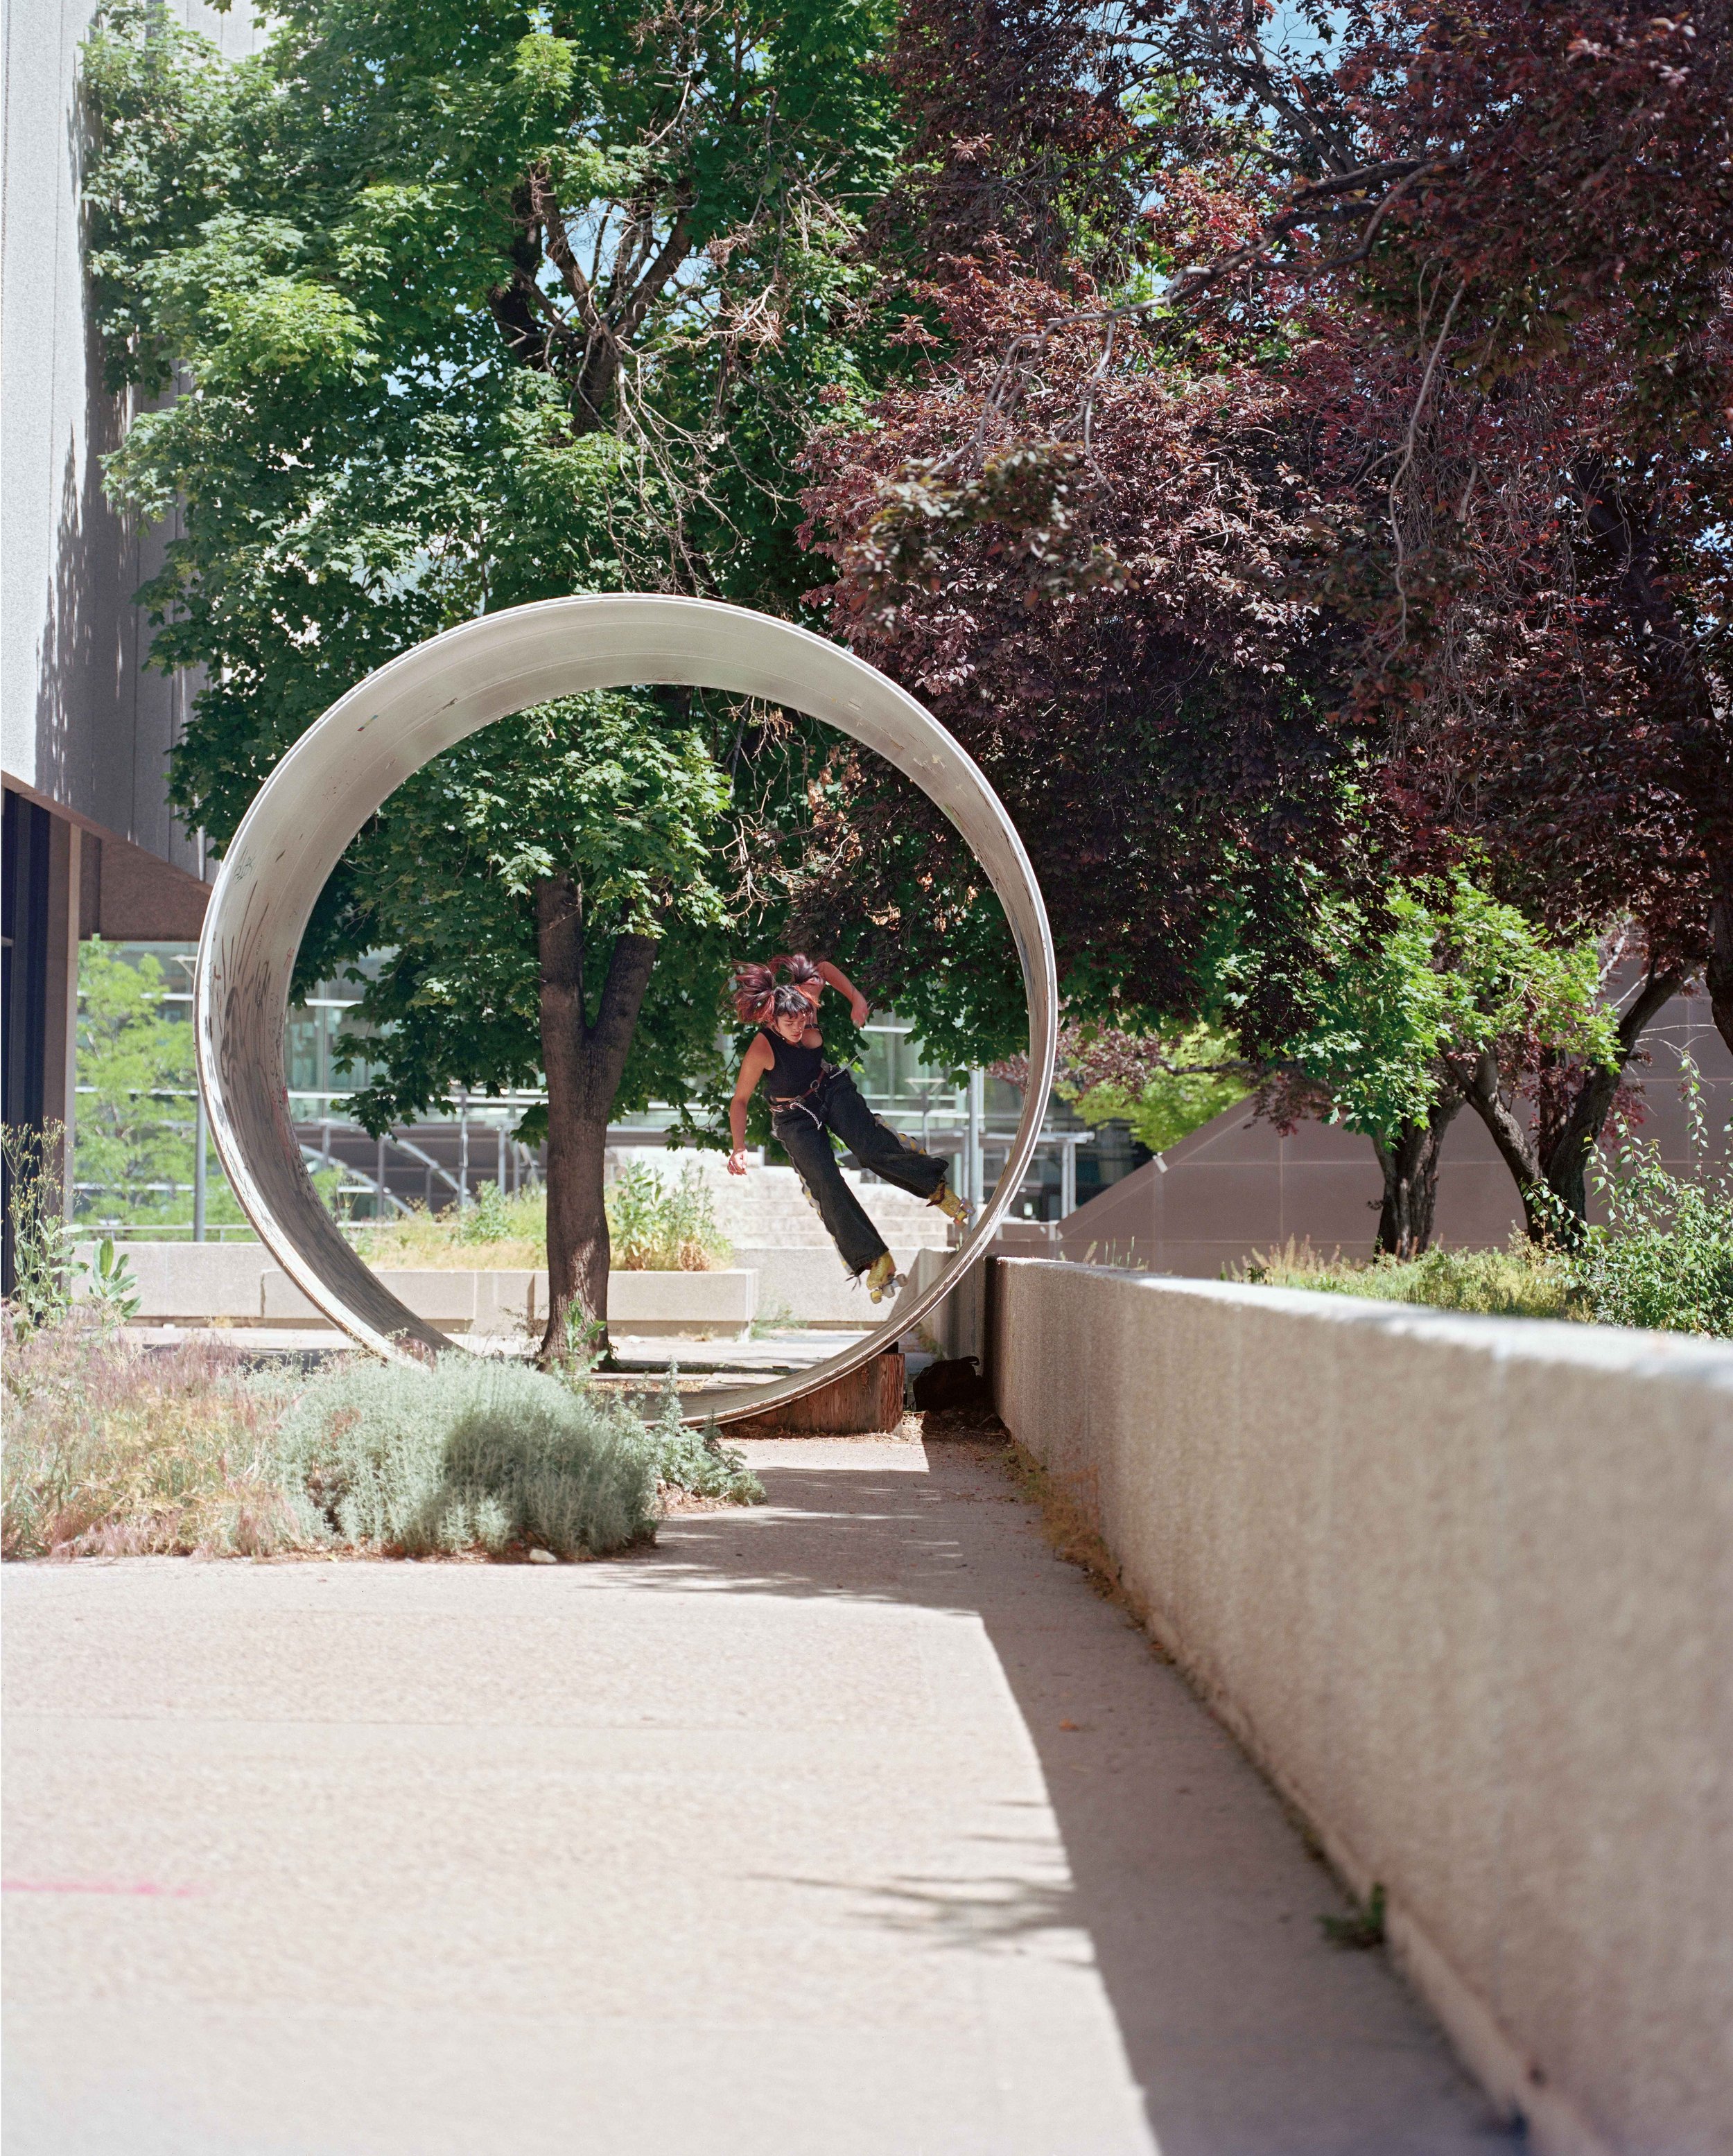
[[471, 305], [1401, 1026], [1204, 1073], [135, 1068], [525, 885], [135, 1137], [477, 306]]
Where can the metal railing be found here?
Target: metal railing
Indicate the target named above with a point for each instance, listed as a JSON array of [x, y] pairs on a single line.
[[949, 1120]]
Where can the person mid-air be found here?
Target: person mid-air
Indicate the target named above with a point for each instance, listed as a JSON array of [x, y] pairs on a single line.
[[810, 1098]]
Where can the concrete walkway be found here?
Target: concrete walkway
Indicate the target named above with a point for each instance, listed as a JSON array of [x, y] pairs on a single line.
[[855, 1824]]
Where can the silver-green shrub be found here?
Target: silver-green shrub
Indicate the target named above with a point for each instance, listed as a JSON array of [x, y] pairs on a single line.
[[468, 1454]]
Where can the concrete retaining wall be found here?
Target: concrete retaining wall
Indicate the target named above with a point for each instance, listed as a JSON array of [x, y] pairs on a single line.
[[809, 1286], [1464, 1588], [957, 1326], [497, 1300], [191, 1284]]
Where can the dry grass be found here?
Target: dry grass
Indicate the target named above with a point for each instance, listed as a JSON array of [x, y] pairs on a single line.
[[1068, 1519], [1068, 1522], [1523, 1281], [401, 1248], [114, 1451], [495, 1234], [655, 1224], [1069, 1514]]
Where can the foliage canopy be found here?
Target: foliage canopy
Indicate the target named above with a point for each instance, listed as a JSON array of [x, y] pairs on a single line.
[[470, 306]]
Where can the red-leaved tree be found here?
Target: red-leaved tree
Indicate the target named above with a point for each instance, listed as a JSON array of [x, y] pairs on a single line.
[[1394, 532], [1091, 585]]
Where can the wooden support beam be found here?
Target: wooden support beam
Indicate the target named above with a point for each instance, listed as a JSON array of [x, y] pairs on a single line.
[[869, 1398]]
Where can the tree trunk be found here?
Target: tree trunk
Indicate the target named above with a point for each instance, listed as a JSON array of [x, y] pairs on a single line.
[[1515, 1140], [583, 1064], [1410, 1179], [1551, 1168], [1718, 971], [1565, 1151]]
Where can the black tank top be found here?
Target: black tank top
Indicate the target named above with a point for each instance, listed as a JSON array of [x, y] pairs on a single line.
[[793, 1068]]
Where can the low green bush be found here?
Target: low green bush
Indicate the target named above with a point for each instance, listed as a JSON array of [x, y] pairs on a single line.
[[1665, 1259], [471, 1453]]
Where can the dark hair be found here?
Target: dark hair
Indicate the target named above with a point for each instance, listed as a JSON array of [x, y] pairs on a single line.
[[755, 988], [756, 997], [790, 1002]]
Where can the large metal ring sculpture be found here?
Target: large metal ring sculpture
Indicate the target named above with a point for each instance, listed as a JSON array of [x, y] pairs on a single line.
[[385, 729]]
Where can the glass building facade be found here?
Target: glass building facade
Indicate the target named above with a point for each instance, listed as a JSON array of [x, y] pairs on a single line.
[[140, 1126]]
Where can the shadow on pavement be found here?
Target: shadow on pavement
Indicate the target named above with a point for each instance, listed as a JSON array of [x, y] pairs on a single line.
[[1248, 2034]]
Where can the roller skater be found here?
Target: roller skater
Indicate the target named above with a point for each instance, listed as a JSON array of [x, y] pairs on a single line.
[[809, 1099]]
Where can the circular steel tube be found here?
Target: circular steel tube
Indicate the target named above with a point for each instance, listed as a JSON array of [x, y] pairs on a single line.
[[385, 729]]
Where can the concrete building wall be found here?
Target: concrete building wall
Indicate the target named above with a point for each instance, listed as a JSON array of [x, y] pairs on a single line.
[[1463, 1587], [82, 727], [84, 731]]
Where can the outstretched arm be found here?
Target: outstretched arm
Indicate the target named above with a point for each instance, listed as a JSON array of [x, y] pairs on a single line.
[[753, 1065], [858, 1007], [832, 977]]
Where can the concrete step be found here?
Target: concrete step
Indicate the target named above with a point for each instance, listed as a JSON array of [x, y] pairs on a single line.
[[769, 1206]]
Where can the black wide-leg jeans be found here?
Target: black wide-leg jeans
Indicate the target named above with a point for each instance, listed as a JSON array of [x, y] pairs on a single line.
[[804, 1132]]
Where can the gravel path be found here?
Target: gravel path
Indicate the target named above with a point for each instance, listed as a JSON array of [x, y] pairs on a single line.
[[854, 1823]]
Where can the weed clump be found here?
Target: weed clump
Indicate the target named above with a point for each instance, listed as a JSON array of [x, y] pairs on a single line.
[[1668, 1266], [1665, 1259], [697, 1461], [1362, 1928], [40, 1294], [469, 1454], [658, 1226]]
